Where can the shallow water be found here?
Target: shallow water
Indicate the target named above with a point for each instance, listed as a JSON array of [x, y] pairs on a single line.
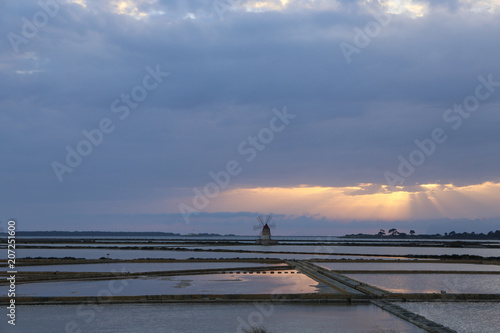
[[139, 267], [462, 317], [139, 254], [314, 249], [207, 318], [433, 283], [376, 250], [285, 282], [403, 266]]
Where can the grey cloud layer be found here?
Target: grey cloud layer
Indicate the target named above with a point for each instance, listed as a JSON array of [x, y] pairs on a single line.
[[225, 78]]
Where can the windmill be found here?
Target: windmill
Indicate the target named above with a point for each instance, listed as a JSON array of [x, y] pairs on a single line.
[[265, 225]]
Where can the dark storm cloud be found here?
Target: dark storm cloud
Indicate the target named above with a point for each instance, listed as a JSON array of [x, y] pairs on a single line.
[[226, 76]]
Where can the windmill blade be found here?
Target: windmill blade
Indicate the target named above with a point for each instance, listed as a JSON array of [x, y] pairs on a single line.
[[268, 218], [272, 225], [261, 221], [257, 227]]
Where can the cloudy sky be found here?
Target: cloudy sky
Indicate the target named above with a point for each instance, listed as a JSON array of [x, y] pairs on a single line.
[[197, 116]]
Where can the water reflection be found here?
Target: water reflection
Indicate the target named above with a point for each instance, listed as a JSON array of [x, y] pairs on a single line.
[[236, 283], [461, 317], [433, 283], [140, 267], [202, 318], [410, 266]]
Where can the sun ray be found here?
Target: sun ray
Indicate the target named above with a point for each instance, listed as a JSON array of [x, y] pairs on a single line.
[[366, 201]]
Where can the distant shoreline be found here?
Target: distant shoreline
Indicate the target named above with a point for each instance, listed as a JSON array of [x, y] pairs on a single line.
[[492, 235], [111, 234], [452, 235]]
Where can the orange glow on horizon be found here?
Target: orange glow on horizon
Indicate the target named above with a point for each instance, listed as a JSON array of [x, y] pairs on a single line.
[[366, 201]]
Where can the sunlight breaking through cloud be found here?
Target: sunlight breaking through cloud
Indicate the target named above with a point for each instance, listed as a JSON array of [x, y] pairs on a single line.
[[367, 201], [410, 7], [142, 9], [82, 3], [66, 67], [131, 7]]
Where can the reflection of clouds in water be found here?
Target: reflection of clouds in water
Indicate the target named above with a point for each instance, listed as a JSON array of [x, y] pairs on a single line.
[[432, 283], [407, 266], [460, 316], [144, 267], [178, 285], [183, 284], [320, 250], [455, 285]]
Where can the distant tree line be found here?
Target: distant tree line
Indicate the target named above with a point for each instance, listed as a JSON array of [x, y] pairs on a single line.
[[394, 233], [90, 233], [106, 234]]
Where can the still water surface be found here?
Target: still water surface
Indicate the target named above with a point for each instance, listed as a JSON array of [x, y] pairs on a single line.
[[207, 318], [433, 283], [314, 249], [140, 267], [403, 266], [462, 317], [288, 282], [158, 254]]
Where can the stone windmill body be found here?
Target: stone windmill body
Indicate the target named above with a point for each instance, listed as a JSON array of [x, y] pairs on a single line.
[[265, 226]]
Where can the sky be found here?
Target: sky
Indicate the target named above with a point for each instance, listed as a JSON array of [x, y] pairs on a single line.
[[198, 116]]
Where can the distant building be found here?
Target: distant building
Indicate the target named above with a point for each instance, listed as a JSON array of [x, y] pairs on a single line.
[[265, 236]]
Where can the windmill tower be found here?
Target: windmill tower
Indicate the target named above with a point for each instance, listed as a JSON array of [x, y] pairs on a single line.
[[265, 226]]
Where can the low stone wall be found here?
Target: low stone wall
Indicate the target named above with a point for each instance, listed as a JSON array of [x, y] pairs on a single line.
[[397, 297], [415, 319]]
